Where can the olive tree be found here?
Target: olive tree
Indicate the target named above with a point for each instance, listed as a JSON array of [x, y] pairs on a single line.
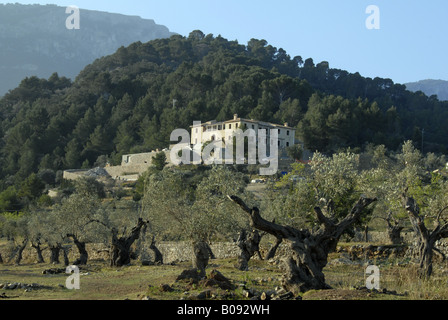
[[195, 212], [82, 221], [15, 228], [50, 227], [323, 203], [121, 218]]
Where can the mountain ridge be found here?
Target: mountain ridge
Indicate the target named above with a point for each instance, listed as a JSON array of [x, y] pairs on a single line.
[[430, 87], [35, 41]]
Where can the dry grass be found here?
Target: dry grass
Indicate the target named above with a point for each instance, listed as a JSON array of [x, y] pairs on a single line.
[[100, 282]]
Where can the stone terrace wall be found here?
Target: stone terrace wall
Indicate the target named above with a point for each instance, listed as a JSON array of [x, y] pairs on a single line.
[[181, 251]]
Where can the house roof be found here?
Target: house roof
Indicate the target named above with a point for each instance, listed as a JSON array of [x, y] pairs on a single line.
[[236, 119]]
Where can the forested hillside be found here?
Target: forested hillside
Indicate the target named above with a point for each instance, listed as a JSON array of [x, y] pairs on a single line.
[[131, 101]]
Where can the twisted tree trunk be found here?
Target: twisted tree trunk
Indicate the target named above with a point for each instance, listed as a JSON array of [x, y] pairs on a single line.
[[308, 250], [394, 229], [249, 245], [201, 256], [426, 238], [55, 250], [121, 246], [158, 255], [20, 251], [83, 254], [273, 250], [54, 253], [65, 253], [40, 257]]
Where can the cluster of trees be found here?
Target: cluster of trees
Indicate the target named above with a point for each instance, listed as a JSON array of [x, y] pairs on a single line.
[[131, 101], [177, 204], [333, 196]]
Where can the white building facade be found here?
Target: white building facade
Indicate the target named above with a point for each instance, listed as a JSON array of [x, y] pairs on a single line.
[[202, 133]]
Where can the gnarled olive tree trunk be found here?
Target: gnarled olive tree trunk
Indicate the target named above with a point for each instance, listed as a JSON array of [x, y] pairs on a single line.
[[249, 245], [121, 246], [55, 250], [37, 245], [83, 254], [158, 256], [426, 238], [308, 250], [54, 253], [19, 252], [201, 256]]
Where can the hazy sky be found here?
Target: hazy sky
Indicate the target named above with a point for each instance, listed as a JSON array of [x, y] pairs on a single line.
[[410, 45]]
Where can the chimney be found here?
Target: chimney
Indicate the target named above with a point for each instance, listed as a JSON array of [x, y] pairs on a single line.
[[286, 124], [235, 116]]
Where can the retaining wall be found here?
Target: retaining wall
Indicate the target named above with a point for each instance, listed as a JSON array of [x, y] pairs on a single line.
[[182, 251]]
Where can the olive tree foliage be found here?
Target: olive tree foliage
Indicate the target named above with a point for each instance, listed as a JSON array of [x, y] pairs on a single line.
[[422, 193], [83, 220], [212, 208], [332, 183], [409, 170], [179, 210], [15, 228], [48, 227], [198, 212]]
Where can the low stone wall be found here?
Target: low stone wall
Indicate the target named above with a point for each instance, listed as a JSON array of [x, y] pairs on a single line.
[[182, 251], [73, 174]]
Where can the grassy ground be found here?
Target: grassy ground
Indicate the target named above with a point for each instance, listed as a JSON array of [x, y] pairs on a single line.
[[99, 282]]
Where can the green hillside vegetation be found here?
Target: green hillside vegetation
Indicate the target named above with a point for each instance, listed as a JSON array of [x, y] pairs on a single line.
[[131, 101]]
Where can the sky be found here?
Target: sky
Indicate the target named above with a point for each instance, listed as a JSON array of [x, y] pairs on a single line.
[[410, 44]]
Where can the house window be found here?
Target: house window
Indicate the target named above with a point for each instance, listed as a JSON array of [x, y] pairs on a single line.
[[196, 141], [236, 125], [196, 130], [219, 127], [287, 133], [253, 126], [279, 131], [278, 143], [230, 126], [287, 144], [224, 127]]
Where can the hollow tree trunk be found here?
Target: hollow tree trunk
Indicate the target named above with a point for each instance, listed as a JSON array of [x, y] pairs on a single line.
[[201, 256], [308, 251], [121, 246], [81, 246], [249, 245]]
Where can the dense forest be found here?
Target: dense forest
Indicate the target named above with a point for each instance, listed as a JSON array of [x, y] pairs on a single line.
[[131, 101]]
